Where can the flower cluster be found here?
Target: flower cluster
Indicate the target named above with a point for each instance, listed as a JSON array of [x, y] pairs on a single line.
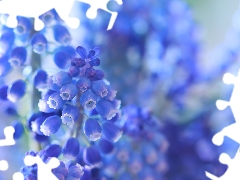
[[140, 153], [76, 106]]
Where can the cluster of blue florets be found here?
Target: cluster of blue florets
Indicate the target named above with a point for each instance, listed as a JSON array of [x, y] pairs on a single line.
[[140, 153], [77, 106]]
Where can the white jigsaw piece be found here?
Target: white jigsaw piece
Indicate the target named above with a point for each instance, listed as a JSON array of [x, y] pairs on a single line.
[[232, 131], [232, 172], [9, 140], [101, 4], [44, 170], [35, 8]]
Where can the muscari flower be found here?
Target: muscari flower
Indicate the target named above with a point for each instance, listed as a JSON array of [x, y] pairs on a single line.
[[51, 125]]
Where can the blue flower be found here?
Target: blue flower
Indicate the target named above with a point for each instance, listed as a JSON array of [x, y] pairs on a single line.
[[18, 56], [70, 114], [83, 84], [55, 101], [24, 25], [99, 88], [105, 146], [68, 92], [17, 90], [6, 42], [88, 100], [71, 148], [92, 129], [92, 157], [35, 125], [3, 92], [62, 35], [40, 79], [51, 125], [53, 150], [106, 109], [73, 71], [111, 131], [39, 43], [61, 78], [63, 55]]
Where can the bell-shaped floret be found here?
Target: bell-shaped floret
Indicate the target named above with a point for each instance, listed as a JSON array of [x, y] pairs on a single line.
[[55, 101], [111, 131], [92, 157], [71, 148], [99, 88], [40, 79], [106, 109], [61, 78], [88, 100], [24, 25], [92, 129], [83, 84], [70, 114], [35, 125], [17, 90], [105, 146], [68, 92], [39, 43], [111, 93], [62, 35], [63, 55], [18, 56], [51, 125], [53, 150]]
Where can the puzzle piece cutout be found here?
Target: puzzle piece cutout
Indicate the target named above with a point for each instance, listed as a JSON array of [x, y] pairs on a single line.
[[101, 4], [232, 131], [44, 170], [233, 172], [3, 165], [9, 140], [35, 8]]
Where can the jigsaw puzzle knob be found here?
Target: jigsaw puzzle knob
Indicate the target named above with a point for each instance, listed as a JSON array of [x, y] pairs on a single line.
[[29, 160], [224, 158], [53, 163], [91, 13], [38, 24], [218, 139], [3, 165], [11, 21], [221, 104], [228, 78], [18, 176], [73, 22]]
